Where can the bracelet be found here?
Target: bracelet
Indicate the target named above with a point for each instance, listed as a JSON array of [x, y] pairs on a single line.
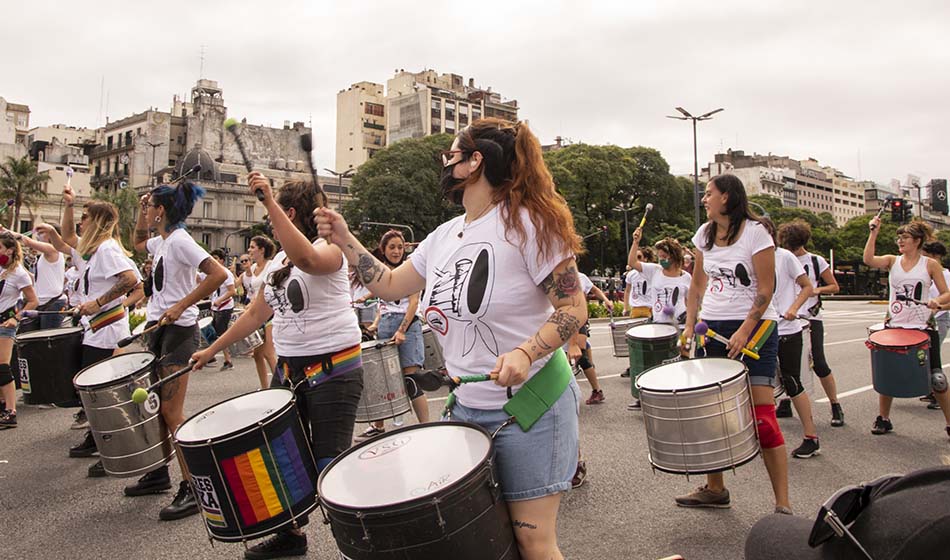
[[530, 359], [97, 302]]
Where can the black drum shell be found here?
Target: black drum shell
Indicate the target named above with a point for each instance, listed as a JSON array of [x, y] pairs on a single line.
[[49, 363]]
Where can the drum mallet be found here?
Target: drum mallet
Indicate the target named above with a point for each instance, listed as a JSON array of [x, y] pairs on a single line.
[[140, 394], [232, 127], [646, 211], [130, 339], [880, 211], [433, 381], [908, 299], [702, 329], [33, 313]]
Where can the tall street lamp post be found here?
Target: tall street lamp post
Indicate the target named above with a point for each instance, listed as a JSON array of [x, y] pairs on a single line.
[[154, 146], [687, 117], [339, 192]]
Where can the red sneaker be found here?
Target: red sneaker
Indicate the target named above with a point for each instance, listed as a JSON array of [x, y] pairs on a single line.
[[596, 397]]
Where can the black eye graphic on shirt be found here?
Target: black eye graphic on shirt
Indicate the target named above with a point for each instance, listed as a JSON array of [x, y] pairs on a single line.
[[297, 295], [85, 282], [676, 296], [742, 275], [159, 274], [478, 282], [918, 291]]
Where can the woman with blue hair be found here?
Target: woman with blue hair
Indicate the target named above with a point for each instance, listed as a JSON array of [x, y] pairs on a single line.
[[176, 259]]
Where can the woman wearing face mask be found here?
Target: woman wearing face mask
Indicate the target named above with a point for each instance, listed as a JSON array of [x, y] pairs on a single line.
[[513, 255], [260, 251], [397, 321], [669, 283], [14, 282]]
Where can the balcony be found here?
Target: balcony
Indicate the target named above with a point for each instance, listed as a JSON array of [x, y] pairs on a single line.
[[105, 151]]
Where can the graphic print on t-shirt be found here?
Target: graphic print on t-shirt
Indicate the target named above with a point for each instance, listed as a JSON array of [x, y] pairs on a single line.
[[912, 290], [724, 278], [158, 273], [292, 297], [666, 297], [463, 287]]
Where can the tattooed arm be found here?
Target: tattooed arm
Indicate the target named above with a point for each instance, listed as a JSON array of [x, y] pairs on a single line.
[[563, 289], [764, 264]]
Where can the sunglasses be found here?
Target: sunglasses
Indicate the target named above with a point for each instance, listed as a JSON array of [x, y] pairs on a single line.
[[448, 155], [83, 217], [842, 509]]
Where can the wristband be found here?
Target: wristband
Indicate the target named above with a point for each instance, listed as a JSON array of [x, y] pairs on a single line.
[[530, 360]]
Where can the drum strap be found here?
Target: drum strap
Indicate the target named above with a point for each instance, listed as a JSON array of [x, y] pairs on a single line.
[[323, 367], [539, 393], [107, 317]]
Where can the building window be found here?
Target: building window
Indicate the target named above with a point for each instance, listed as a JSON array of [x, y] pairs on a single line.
[[206, 239], [206, 209], [98, 169], [128, 138], [476, 113], [374, 109], [109, 143], [436, 104], [26, 225], [463, 109], [436, 129], [249, 213]]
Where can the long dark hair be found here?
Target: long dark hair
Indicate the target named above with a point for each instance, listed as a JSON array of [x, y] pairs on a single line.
[[304, 197], [178, 202], [265, 244], [737, 209], [387, 237]]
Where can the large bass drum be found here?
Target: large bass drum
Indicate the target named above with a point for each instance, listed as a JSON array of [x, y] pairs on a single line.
[[48, 360], [423, 492]]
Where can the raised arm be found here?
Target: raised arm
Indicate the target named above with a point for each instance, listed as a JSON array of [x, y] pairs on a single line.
[[49, 252], [66, 223], [632, 260], [870, 259], [54, 238], [141, 228]]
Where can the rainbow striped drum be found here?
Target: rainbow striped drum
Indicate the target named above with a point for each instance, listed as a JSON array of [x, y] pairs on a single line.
[[251, 466]]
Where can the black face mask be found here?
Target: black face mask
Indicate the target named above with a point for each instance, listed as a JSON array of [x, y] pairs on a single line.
[[449, 184]]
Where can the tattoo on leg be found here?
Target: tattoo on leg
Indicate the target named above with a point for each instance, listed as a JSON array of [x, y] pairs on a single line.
[[522, 524], [567, 324], [368, 270]]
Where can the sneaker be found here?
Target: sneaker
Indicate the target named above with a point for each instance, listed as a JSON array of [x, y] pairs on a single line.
[[96, 470], [928, 398], [596, 397], [808, 448], [881, 426], [283, 543], [153, 482], [370, 432], [7, 419], [933, 406], [783, 510], [580, 475], [784, 409], [87, 448], [635, 405], [226, 366], [183, 505], [703, 497], [80, 422], [626, 373], [837, 415]]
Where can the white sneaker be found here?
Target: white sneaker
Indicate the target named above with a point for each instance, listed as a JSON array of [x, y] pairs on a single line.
[[370, 432]]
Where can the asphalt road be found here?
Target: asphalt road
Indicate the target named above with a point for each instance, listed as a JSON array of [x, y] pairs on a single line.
[[625, 510]]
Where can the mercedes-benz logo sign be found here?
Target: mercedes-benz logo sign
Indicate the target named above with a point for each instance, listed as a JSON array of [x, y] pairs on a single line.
[[941, 195]]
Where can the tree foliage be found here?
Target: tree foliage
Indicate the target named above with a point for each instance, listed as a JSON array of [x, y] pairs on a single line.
[[127, 202], [21, 182], [823, 227]]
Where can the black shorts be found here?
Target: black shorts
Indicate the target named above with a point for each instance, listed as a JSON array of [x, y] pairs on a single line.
[[585, 329], [172, 345], [220, 320], [820, 363], [92, 355]]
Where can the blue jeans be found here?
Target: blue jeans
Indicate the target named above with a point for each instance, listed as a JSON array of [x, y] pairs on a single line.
[[412, 351]]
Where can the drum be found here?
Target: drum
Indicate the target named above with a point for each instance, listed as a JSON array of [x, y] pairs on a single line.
[[384, 389], [900, 362], [618, 331], [427, 491], [698, 416], [247, 344], [875, 328], [48, 360], [650, 345], [251, 466], [132, 438], [204, 308], [208, 335], [366, 312], [433, 356], [138, 330]]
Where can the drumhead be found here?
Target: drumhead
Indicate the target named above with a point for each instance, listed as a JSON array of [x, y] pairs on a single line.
[[690, 374], [204, 322], [876, 327], [408, 464], [233, 414], [623, 323], [48, 333], [112, 369], [898, 338], [652, 331]]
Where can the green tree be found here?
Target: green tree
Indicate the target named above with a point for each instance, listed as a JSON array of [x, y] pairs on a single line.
[[21, 182], [400, 185], [824, 230], [127, 202], [851, 238]]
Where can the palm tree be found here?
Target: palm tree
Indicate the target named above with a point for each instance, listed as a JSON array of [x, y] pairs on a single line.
[[22, 185]]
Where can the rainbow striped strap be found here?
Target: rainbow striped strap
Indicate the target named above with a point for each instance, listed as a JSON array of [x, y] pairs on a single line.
[[107, 317], [334, 365], [762, 332]]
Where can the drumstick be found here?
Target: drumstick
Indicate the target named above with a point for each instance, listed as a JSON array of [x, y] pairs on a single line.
[[36, 313], [231, 125], [902, 297], [879, 213], [306, 144], [433, 381], [703, 329], [130, 339], [645, 212], [140, 394]]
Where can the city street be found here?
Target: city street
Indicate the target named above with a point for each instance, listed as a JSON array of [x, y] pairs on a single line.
[[625, 510]]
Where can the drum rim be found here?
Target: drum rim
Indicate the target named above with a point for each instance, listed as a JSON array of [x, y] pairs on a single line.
[[39, 335], [744, 371], [924, 341], [675, 333], [487, 461], [150, 366], [758, 451], [240, 431], [635, 320]]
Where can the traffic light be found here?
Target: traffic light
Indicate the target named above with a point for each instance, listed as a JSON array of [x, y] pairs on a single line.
[[908, 212], [897, 210], [603, 231]]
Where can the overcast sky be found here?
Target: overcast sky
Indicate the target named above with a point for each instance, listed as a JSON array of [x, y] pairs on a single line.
[[859, 85]]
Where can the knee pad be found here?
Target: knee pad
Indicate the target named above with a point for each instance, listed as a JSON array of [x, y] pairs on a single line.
[[770, 435], [793, 385], [938, 381], [6, 376], [412, 388], [584, 362]]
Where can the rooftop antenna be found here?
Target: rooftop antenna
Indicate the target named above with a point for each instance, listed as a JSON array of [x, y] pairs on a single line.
[[201, 67], [102, 93]]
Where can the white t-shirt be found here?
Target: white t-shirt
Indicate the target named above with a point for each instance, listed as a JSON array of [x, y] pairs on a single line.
[[49, 278], [10, 286], [220, 291], [809, 264], [787, 270], [905, 314], [935, 293], [483, 298], [399, 306], [311, 312], [98, 277], [252, 283], [640, 295], [73, 293], [175, 266], [586, 284], [666, 291], [731, 278]]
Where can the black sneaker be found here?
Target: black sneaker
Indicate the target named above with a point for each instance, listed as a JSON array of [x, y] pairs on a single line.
[[154, 482], [635, 405], [85, 449], [837, 415], [282, 544], [96, 470], [626, 373], [881, 426], [934, 405], [928, 398], [182, 506], [784, 409], [808, 448], [226, 366], [7, 419], [580, 475]]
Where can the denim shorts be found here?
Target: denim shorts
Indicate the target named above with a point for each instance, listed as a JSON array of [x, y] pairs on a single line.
[[537, 463], [7, 333], [761, 371], [411, 352]]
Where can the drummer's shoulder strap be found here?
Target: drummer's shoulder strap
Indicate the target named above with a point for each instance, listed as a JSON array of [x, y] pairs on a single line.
[[814, 265]]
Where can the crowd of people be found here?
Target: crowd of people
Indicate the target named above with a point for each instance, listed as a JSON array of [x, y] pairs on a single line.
[[499, 285]]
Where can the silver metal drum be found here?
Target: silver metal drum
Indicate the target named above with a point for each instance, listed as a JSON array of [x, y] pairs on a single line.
[[618, 333], [384, 389], [434, 361], [204, 324], [246, 345], [131, 438], [698, 416]]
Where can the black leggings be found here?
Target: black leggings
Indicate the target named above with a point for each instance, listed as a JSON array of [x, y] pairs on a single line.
[[934, 350]]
